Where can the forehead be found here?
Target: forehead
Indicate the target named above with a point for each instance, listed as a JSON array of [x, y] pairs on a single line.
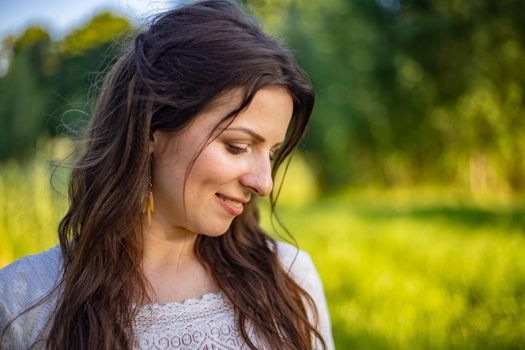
[[269, 112]]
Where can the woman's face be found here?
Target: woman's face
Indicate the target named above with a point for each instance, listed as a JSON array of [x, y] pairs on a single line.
[[229, 170]]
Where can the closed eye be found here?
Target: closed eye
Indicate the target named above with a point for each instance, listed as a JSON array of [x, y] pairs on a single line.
[[233, 149]]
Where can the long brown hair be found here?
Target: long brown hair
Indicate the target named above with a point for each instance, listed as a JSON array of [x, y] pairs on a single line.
[[173, 70]]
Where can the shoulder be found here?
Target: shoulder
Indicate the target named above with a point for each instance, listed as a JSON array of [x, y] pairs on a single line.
[[22, 284], [296, 261], [302, 269], [31, 275]]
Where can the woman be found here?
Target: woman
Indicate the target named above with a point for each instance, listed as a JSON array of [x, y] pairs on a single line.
[[161, 246]]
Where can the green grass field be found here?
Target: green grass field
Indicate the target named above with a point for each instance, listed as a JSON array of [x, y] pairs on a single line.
[[402, 270], [418, 275]]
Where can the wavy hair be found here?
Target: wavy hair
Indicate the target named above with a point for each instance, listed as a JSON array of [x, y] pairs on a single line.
[[173, 70]]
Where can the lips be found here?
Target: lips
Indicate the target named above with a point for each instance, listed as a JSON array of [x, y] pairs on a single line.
[[232, 205]]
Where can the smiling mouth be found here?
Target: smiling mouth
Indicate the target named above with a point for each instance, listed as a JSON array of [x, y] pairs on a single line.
[[232, 206]]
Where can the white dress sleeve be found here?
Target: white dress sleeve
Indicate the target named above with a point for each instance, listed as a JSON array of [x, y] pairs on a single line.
[[305, 274], [22, 284]]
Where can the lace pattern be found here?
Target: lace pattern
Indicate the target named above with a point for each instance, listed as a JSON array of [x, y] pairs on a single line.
[[205, 323]]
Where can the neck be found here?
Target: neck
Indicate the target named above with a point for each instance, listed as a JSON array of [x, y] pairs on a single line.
[[171, 267], [168, 247]]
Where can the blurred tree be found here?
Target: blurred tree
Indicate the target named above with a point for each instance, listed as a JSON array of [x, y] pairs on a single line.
[[21, 97], [412, 91], [85, 54], [100, 30], [408, 90], [46, 81]]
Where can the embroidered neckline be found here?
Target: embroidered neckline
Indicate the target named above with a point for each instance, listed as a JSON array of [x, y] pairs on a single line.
[[205, 298]]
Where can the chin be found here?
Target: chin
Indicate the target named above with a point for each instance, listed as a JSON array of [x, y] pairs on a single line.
[[215, 231]]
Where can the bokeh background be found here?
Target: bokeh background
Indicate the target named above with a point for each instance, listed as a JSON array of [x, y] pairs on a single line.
[[407, 191]]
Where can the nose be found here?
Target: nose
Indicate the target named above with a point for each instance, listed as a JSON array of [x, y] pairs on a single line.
[[258, 177]]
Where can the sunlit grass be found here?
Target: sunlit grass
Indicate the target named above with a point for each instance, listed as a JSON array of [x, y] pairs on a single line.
[[424, 276], [30, 208], [30, 211], [401, 270]]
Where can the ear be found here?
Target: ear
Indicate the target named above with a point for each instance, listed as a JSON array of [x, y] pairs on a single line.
[[154, 141], [159, 141]]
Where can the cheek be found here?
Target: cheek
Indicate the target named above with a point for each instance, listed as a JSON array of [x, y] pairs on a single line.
[[168, 185], [215, 167]]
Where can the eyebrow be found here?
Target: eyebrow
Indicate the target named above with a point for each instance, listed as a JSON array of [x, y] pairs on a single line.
[[252, 133]]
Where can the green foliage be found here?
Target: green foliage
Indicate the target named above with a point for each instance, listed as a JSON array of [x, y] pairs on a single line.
[[409, 92], [46, 87], [21, 98], [102, 29], [412, 91], [32, 36]]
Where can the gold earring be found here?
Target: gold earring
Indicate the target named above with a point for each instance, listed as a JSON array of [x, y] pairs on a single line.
[[150, 206]]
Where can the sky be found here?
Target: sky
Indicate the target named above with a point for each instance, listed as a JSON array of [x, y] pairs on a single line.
[[60, 16]]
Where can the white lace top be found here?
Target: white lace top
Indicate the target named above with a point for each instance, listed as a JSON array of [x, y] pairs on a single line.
[[204, 323], [208, 322]]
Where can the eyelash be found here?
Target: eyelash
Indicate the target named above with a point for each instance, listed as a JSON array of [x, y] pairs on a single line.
[[239, 150], [236, 150]]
